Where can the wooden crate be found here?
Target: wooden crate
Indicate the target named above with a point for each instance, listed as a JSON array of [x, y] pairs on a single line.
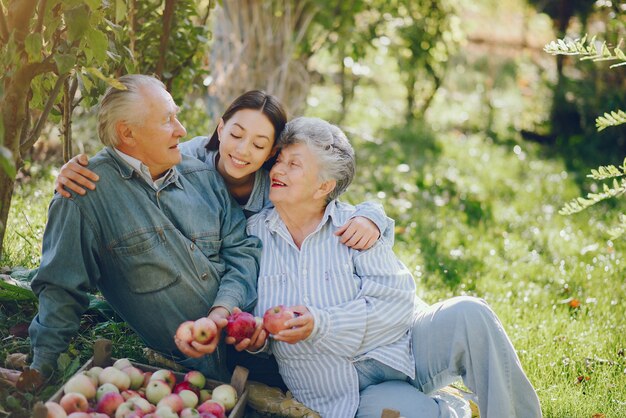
[[102, 358]]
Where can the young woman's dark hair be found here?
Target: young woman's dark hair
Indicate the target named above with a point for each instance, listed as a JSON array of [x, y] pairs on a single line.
[[269, 105]]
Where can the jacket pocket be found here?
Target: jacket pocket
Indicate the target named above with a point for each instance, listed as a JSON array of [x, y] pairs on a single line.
[[210, 246], [145, 261]]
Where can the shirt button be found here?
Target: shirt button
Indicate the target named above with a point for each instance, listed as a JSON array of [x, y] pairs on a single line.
[[204, 276], [306, 300], [193, 247], [304, 272]]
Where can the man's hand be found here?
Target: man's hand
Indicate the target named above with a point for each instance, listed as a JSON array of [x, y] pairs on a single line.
[[299, 328], [254, 343], [73, 175], [358, 233], [195, 349]]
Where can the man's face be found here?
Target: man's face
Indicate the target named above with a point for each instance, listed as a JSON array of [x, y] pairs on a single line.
[[154, 140]]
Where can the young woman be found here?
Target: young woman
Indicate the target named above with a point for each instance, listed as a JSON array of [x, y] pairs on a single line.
[[242, 149]]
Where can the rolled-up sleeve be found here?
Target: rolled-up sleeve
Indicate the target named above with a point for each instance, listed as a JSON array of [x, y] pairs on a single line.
[[67, 272], [241, 253], [380, 314]]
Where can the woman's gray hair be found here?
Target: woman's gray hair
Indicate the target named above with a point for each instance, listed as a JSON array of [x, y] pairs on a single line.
[[333, 150], [123, 105]]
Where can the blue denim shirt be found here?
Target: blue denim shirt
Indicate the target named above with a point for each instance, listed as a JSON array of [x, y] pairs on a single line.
[[159, 257]]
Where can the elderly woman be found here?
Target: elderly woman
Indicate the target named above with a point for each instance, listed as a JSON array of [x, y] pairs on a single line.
[[361, 340]]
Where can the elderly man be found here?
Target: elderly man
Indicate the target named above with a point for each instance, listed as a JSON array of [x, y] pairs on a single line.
[[161, 237]]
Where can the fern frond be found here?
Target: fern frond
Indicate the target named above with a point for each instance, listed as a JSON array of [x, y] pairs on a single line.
[[579, 204], [619, 229], [610, 119], [607, 172], [587, 50]]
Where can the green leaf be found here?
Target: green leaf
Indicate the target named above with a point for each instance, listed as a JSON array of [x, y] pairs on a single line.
[[65, 62], [77, 20], [109, 80], [10, 292], [93, 4], [99, 44], [6, 162], [120, 10], [33, 45]]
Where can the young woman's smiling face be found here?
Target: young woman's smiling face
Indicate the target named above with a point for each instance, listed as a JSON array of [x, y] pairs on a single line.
[[246, 142]]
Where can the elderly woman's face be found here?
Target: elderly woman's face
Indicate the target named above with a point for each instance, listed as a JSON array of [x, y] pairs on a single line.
[[295, 176]]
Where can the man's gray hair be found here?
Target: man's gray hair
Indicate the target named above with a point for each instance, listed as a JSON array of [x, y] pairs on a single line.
[[123, 105], [330, 145]]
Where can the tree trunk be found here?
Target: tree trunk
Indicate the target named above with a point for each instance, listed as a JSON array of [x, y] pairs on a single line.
[[256, 48], [6, 193]]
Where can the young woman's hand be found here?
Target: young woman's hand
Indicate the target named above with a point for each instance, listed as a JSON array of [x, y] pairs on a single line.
[[254, 343], [358, 233], [73, 175], [299, 328]]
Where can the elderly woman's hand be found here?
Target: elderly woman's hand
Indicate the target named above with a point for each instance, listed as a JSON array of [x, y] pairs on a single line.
[[358, 233], [299, 328]]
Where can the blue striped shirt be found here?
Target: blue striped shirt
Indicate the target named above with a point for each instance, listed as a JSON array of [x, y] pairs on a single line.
[[363, 304]]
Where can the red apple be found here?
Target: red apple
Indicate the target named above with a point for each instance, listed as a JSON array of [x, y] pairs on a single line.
[[212, 407], [143, 404], [196, 378], [167, 376], [55, 410], [240, 325], [226, 395], [204, 330], [74, 402], [274, 318], [104, 389], [80, 383], [186, 385], [185, 331], [109, 403]]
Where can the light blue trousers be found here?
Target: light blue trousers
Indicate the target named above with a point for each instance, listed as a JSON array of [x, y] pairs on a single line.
[[459, 337]]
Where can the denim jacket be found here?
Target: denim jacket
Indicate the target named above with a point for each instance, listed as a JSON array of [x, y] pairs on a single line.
[[159, 257]]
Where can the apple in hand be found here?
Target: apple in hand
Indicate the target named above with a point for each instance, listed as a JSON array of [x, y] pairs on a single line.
[[185, 332], [241, 325], [204, 330], [274, 318]]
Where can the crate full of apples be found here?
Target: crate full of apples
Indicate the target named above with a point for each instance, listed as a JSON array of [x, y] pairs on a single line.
[[122, 388]]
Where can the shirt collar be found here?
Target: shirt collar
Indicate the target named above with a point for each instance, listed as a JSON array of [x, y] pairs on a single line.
[[133, 164], [274, 222]]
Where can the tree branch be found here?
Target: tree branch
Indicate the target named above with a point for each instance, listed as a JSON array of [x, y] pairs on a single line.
[[20, 12], [34, 135], [168, 15], [4, 31], [41, 12]]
